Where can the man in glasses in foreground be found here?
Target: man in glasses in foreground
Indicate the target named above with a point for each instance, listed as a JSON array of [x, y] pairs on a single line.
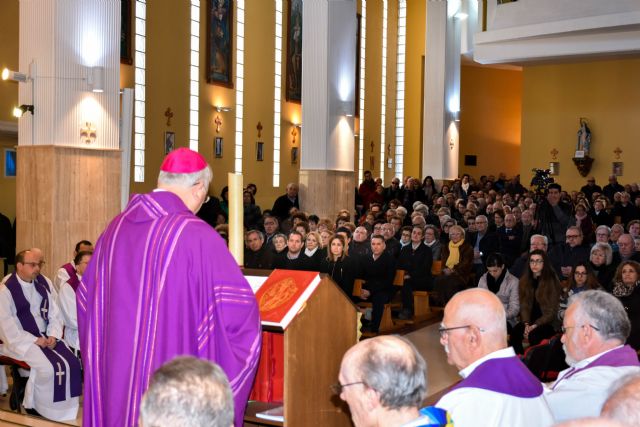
[[595, 329], [497, 388], [384, 382]]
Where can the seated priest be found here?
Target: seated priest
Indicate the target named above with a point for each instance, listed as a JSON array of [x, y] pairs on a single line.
[[31, 329], [384, 382], [67, 302], [66, 272]]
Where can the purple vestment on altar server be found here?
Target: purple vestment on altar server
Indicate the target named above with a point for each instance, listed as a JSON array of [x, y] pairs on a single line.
[[161, 283]]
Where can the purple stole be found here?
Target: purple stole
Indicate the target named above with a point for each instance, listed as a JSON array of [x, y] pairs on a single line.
[[73, 276], [506, 375], [617, 358], [60, 351]]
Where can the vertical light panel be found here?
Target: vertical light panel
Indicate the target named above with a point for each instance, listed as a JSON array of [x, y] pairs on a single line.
[[239, 83], [363, 45], [139, 95], [194, 73], [277, 95], [383, 98], [400, 79]]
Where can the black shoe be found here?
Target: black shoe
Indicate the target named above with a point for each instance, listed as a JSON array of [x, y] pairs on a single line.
[[33, 412], [405, 315]]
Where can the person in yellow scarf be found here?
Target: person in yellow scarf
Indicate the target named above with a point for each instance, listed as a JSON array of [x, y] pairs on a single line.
[[457, 257]]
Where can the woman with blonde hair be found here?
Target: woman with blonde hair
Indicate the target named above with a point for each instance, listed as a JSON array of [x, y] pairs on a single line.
[[313, 249], [457, 265]]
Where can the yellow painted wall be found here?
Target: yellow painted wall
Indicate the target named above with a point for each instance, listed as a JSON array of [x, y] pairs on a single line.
[[8, 98], [490, 117], [416, 23], [606, 93]]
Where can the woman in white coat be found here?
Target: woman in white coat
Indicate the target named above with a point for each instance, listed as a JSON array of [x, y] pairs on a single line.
[[504, 284]]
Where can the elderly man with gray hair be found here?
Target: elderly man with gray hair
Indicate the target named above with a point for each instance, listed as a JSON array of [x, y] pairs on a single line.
[[188, 391], [595, 329], [384, 382]]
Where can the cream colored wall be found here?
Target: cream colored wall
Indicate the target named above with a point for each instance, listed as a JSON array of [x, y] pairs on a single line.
[[490, 116], [606, 93]]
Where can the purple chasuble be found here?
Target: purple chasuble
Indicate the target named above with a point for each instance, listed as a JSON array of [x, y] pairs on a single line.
[[60, 351], [506, 375], [161, 283], [617, 358], [73, 276]]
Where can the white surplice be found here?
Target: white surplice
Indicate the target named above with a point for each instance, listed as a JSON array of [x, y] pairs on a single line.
[[19, 344], [473, 407], [67, 303], [583, 394]]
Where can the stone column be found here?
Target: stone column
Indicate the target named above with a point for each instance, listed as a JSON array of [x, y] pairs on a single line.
[[68, 172], [446, 22], [328, 91]]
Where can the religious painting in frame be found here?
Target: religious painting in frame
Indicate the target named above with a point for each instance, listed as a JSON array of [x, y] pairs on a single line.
[[9, 163], [294, 155], [169, 142], [217, 147], [259, 151], [554, 168], [219, 42], [293, 85], [126, 32], [617, 168]]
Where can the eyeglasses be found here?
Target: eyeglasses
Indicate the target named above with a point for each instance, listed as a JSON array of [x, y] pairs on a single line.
[[337, 387], [572, 236], [536, 261], [35, 264], [444, 331], [580, 273], [564, 329]]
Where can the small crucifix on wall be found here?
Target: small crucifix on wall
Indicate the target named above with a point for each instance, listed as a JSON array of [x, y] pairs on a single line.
[[169, 115], [554, 153], [617, 152], [259, 127], [372, 158], [218, 123], [294, 133]]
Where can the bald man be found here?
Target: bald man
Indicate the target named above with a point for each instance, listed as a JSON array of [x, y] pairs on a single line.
[[623, 405], [497, 388], [384, 382]]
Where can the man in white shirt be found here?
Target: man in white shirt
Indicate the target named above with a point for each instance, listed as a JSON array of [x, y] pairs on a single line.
[[65, 272], [384, 382], [596, 327], [497, 389], [30, 329], [67, 302]]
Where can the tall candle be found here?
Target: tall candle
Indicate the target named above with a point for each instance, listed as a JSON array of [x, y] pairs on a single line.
[[236, 215]]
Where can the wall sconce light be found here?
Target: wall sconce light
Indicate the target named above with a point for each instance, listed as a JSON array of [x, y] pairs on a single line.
[[88, 133], [222, 109], [15, 76], [456, 116], [95, 79], [347, 108], [19, 111]]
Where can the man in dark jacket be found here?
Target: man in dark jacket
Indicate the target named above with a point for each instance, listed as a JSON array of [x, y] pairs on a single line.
[[415, 259]]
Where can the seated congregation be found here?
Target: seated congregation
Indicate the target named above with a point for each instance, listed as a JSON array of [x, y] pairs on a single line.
[[516, 271]]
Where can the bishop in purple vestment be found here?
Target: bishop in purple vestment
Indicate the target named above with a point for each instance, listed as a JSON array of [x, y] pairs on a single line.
[[162, 283]]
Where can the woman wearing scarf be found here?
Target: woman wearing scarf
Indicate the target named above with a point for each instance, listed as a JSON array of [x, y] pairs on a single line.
[[504, 284], [457, 264], [626, 289], [582, 219]]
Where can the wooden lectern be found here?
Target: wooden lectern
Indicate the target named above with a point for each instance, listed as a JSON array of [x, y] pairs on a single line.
[[314, 343]]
